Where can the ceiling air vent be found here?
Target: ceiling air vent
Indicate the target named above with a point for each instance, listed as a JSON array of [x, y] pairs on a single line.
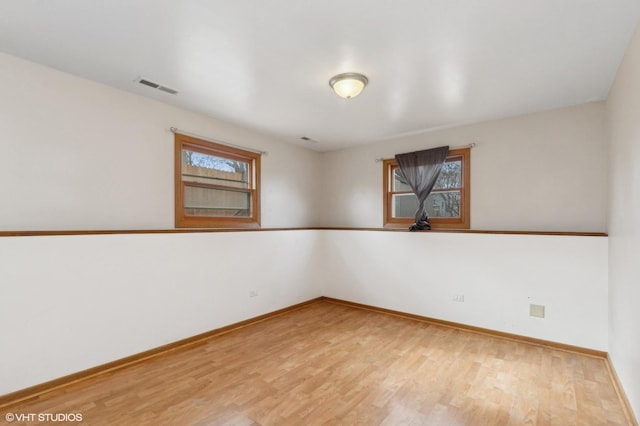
[[168, 90], [157, 86], [148, 83]]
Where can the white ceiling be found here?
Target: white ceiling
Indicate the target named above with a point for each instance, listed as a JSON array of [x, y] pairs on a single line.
[[266, 65]]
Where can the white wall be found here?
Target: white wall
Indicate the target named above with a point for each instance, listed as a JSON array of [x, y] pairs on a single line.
[[499, 276], [68, 303], [537, 172], [75, 154], [623, 108]]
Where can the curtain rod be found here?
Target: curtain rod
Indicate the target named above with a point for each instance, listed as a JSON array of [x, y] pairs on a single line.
[[195, 135], [471, 145]]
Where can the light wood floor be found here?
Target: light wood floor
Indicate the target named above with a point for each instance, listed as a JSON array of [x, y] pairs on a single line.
[[332, 364]]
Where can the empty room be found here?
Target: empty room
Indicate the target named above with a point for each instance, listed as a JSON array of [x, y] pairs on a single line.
[[301, 213]]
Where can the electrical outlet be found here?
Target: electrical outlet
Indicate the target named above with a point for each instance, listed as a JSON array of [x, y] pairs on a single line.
[[536, 310], [458, 297], [253, 293]]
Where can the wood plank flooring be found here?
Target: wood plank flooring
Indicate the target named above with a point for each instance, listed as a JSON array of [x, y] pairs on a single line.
[[328, 363]]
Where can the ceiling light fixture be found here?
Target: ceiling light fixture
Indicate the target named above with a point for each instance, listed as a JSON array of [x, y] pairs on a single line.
[[348, 85]]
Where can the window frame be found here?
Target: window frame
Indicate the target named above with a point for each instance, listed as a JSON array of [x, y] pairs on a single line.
[[182, 220], [461, 222]]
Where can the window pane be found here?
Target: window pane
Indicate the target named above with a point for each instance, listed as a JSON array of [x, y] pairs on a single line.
[[439, 204], [404, 205], [450, 175], [399, 182], [443, 204], [216, 202], [205, 168]]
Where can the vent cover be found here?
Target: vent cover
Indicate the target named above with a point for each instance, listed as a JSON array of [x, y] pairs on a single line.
[[168, 90], [148, 83], [157, 86]]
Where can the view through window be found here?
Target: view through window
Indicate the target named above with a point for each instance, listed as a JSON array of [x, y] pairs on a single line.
[[447, 205], [216, 185]]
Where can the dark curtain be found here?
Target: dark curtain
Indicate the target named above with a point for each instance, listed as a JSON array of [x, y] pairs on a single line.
[[421, 170]]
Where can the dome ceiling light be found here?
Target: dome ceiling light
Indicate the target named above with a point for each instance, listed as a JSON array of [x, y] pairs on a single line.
[[348, 85]]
